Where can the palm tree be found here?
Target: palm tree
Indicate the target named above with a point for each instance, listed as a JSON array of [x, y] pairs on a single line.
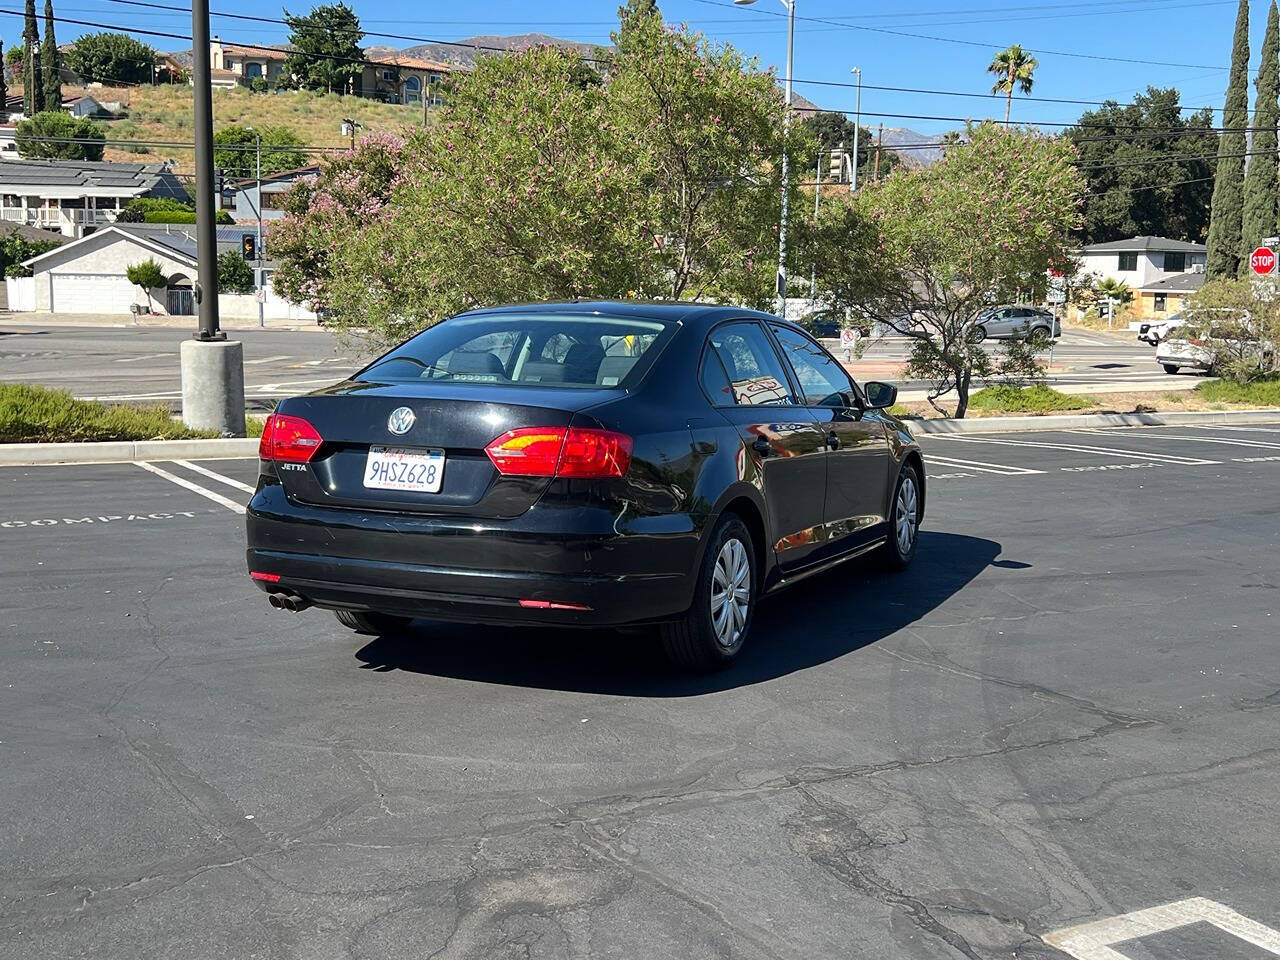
[[1014, 67], [1115, 293]]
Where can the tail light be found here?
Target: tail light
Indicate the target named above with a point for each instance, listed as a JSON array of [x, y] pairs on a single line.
[[1196, 342], [561, 452], [288, 439]]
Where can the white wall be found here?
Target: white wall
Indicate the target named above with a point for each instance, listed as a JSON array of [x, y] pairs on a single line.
[[22, 292], [244, 306]]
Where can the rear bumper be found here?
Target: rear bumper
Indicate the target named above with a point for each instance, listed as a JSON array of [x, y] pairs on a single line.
[[474, 571]]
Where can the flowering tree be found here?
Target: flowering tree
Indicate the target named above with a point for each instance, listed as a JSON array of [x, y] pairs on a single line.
[[925, 250], [547, 178]]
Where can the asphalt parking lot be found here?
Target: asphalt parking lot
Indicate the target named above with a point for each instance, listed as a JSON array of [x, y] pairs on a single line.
[[1063, 714]]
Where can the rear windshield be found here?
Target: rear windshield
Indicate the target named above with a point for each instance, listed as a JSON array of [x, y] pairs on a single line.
[[531, 350]]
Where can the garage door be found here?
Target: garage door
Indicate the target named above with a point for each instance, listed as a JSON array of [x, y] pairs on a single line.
[[92, 293]]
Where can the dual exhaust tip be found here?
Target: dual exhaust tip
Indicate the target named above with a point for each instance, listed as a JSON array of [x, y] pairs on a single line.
[[288, 601]]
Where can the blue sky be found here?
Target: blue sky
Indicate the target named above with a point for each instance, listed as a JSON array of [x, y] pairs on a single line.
[[1186, 35]]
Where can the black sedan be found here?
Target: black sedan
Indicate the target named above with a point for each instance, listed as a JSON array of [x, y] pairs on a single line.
[[583, 464]]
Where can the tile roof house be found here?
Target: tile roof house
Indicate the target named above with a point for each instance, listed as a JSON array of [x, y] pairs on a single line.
[[401, 78], [244, 63], [76, 196]]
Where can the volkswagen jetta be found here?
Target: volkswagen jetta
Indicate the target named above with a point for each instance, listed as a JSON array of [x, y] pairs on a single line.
[[583, 464]]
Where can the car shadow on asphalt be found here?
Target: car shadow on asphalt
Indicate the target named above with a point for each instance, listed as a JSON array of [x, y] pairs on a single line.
[[816, 621]]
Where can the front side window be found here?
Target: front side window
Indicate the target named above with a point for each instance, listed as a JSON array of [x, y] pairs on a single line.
[[524, 350], [822, 381], [752, 365]]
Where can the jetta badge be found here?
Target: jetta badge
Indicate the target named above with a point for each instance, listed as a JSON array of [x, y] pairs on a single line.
[[401, 421]]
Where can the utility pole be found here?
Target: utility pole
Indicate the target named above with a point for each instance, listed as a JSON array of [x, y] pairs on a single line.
[[817, 199], [349, 126], [212, 366], [257, 247], [879, 141], [857, 125]]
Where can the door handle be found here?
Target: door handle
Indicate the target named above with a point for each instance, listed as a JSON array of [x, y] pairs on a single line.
[[761, 446], [833, 441]]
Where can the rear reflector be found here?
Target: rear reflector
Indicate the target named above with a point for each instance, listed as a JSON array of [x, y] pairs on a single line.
[[288, 439], [552, 605], [265, 577], [561, 452]]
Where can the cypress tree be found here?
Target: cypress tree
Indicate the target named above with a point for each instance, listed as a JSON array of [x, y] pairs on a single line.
[[1227, 213], [32, 84], [50, 62], [1260, 182]]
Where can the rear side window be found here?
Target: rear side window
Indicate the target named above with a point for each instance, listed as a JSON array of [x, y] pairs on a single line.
[[542, 349], [755, 372]]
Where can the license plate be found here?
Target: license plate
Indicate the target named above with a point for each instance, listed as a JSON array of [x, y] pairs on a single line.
[[397, 468]]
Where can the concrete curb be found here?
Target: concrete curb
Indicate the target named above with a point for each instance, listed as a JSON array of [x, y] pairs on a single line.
[[1072, 421], [125, 451]]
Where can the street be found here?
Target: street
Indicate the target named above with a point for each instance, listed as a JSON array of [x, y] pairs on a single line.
[[1062, 713], [140, 364]]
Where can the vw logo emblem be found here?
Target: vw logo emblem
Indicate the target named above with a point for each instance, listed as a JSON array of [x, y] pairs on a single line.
[[401, 421]]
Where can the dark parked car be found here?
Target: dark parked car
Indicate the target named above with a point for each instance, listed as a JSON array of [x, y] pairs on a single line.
[[584, 464]]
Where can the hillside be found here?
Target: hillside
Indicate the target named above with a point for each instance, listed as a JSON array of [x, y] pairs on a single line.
[[164, 113]]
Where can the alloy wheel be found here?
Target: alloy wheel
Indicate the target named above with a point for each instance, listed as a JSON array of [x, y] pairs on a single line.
[[906, 518], [730, 593]]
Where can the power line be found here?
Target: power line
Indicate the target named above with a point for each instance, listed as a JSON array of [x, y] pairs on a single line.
[[971, 43]]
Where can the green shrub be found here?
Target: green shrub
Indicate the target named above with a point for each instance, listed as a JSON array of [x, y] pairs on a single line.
[[30, 414], [1262, 393], [1035, 399]]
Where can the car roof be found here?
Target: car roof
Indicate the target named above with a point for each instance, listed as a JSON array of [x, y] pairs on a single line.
[[671, 311]]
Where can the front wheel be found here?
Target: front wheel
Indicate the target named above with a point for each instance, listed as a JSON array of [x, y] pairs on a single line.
[[1171, 367], [977, 334], [904, 520], [712, 631], [370, 622]]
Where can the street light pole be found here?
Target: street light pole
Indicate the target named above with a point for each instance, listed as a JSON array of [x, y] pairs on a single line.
[[790, 6], [257, 247], [857, 125], [212, 367]]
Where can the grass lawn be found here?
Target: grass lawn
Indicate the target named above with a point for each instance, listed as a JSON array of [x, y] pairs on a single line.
[[39, 415], [1259, 393], [1036, 399], [164, 113]]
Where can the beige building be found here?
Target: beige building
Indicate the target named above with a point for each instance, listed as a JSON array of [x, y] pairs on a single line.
[[233, 64], [396, 78]]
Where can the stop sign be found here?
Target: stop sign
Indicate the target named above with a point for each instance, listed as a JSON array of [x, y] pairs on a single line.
[[1263, 261]]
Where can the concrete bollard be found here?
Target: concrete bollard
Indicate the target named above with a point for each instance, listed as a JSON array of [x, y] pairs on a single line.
[[213, 386]]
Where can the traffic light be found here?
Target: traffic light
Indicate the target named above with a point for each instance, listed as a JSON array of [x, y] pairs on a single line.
[[219, 182], [248, 246]]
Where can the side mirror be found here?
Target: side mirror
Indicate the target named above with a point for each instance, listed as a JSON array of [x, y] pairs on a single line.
[[880, 395]]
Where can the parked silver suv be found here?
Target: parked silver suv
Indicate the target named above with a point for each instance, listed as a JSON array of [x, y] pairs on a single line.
[[1014, 323]]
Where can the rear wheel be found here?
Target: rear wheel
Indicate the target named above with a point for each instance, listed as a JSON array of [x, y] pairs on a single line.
[[977, 334], [714, 628], [904, 520], [370, 622], [1170, 367]]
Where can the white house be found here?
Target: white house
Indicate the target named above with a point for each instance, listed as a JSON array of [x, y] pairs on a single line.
[[1142, 261], [89, 275], [76, 196]]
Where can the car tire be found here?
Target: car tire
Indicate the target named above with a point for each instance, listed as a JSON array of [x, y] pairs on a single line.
[[977, 334], [713, 630], [370, 622], [904, 520], [1041, 333], [1170, 367]]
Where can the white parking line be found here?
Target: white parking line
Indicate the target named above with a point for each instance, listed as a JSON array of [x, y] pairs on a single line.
[[1094, 941], [1079, 448], [267, 359], [983, 467], [149, 356], [1236, 441], [193, 487], [205, 471], [1221, 426]]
